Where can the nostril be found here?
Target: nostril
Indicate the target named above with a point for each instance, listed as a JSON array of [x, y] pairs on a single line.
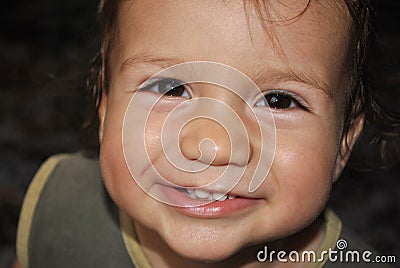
[[189, 149]]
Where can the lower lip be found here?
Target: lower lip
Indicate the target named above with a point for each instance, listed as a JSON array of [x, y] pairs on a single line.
[[204, 209]]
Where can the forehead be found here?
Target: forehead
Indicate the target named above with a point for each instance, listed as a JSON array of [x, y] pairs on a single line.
[[298, 36]]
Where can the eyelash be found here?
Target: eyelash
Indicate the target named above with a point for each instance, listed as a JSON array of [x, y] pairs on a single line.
[[173, 84], [292, 97]]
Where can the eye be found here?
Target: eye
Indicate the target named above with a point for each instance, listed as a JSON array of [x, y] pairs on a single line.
[[167, 87], [280, 100]]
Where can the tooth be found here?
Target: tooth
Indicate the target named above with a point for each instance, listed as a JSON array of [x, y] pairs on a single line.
[[190, 191], [219, 196], [202, 194], [231, 197], [223, 198]]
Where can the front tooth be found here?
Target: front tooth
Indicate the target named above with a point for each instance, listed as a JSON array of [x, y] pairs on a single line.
[[202, 194], [219, 196], [231, 197], [223, 198]]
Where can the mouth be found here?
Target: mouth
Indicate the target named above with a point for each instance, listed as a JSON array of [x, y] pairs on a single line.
[[199, 194], [201, 203]]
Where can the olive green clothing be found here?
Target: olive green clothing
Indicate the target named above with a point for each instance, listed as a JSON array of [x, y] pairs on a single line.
[[68, 220]]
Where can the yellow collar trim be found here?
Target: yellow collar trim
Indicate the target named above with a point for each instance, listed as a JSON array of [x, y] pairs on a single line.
[[131, 242]]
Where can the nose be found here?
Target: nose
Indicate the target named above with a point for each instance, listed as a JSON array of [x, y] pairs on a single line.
[[205, 140]]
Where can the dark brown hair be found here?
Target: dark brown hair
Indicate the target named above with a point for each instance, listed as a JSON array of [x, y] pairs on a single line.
[[383, 126]]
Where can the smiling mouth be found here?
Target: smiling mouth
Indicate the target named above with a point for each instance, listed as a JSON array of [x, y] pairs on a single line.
[[205, 204], [200, 194], [200, 203]]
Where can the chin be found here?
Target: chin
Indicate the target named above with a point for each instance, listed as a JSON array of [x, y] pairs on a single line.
[[204, 250], [206, 255]]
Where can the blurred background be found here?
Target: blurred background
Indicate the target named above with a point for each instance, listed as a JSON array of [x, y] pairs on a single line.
[[45, 47]]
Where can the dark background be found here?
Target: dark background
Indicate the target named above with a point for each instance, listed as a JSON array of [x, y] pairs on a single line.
[[45, 47]]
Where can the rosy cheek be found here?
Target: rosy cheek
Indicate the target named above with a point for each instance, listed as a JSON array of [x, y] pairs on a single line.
[[153, 135], [116, 175], [302, 168]]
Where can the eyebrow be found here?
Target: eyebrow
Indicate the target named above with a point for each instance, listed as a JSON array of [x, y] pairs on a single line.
[[163, 62], [294, 76], [259, 76]]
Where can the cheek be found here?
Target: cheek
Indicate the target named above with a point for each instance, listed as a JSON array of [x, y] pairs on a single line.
[[153, 132], [302, 169], [112, 161], [117, 179]]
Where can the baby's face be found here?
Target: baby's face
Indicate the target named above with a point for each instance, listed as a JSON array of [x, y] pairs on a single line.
[[302, 76]]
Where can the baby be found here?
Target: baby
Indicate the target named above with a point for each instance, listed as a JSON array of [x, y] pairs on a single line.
[[222, 125]]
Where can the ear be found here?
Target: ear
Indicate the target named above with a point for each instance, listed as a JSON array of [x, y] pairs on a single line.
[[102, 113], [347, 144]]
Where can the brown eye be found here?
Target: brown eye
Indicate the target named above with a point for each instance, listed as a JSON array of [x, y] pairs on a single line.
[[167, 87], [279, 101], [176, 91]]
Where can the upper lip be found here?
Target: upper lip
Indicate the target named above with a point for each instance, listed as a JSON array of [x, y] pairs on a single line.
[[217, 191], [239, 190]]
